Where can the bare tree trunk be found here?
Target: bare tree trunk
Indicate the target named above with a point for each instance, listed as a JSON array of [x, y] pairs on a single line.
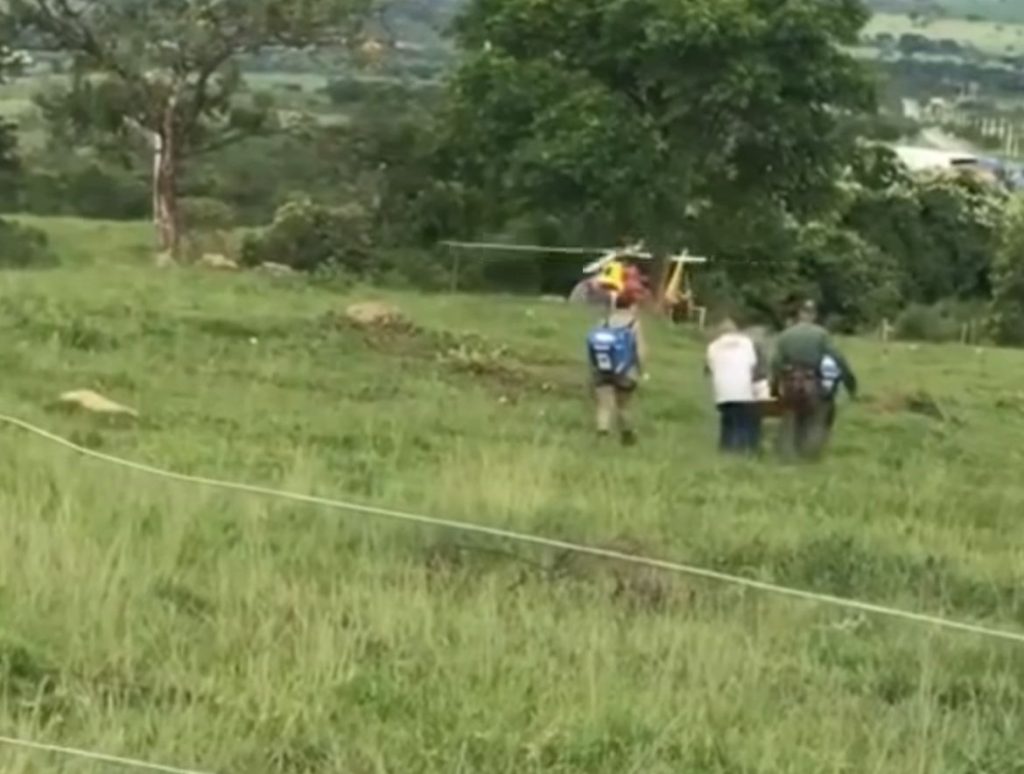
[[165, 202], [166, 215]]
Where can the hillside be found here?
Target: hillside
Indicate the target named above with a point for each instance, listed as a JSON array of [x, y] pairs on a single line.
[[1006, 11], [235, 634]]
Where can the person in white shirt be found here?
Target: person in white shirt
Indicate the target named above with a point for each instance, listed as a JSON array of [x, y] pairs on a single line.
[[733, 365]]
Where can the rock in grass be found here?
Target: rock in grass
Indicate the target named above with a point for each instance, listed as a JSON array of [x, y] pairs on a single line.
[[217, 261], [94, 403], [276, 269], [375, 314]]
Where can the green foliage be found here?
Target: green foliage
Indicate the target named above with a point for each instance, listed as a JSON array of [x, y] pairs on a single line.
[[627, 128], [919, 322], [946, 321], [210, 228], [86, 186], [11, 169], [629, 121], [208, 214], [24, 247], [358, 94], [941, 230], [307, 236], [1007, 315], [893, 239], [90, 112], [856, 283], [167, 74]]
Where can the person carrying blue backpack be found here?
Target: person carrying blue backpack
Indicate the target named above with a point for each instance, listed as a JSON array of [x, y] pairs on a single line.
[[617, 353]]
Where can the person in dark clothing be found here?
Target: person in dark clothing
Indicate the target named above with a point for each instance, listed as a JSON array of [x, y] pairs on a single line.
[[807, 402]]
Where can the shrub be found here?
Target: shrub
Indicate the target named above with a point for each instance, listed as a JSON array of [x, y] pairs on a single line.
[[919, 322], [855, 282], [208, 227], [88, 189], [207, 214], [23, 247], [419, 269], [307, 236], [1006, 318]]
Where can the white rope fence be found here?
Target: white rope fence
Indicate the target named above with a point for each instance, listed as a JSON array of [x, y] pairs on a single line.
[[89, 755], [632, 251], [526, 538], [520, 248]]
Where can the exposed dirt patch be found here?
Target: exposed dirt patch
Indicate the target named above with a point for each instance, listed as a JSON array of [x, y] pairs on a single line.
[[921, 403], [500, 368], [383, 329], [376, 314], [508, 372]]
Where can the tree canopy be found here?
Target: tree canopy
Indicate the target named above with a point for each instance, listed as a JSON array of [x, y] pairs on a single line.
[[169, 69], [630, 113]]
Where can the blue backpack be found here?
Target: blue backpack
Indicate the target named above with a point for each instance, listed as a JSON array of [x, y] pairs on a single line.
[[830, 375], [612, 349]]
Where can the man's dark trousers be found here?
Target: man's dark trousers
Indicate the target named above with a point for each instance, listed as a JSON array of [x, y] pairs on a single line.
[[740, 427]]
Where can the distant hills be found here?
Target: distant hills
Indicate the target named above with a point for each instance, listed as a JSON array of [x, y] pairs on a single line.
[[422, 22], [1001, 11]]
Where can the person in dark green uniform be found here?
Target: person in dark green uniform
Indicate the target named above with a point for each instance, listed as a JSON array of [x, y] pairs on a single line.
[[808, 408]]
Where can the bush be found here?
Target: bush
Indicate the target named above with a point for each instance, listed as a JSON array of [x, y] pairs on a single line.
[[207, 214], [927, 323], [1006, 318], [856, 283], [208, 227], [941, 230], [89, 189], [23, 247], [418, 269], [308, 236]]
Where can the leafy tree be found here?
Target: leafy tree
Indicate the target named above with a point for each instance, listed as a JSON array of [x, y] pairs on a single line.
[[10, 165], [855, 282], [941, 230], [1007, 312], [307, 236], [169, 70], [20, 246], [23, 247], [620, 115]]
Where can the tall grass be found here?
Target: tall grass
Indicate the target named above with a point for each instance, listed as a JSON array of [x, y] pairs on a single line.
[[241, 635]]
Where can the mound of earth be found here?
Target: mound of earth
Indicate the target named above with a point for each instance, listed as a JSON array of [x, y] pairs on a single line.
[[376, 314]]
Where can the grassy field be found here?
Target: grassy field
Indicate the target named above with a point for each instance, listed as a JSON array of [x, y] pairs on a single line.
[[239, 635], [988, 36]]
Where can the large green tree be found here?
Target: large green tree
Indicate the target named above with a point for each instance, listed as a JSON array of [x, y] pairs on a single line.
[[1007, 314], [635, 116], [10, 165], [941, 229], [168, 69]]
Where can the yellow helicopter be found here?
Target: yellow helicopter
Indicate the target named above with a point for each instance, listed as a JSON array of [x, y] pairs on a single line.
[[677, 297]]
